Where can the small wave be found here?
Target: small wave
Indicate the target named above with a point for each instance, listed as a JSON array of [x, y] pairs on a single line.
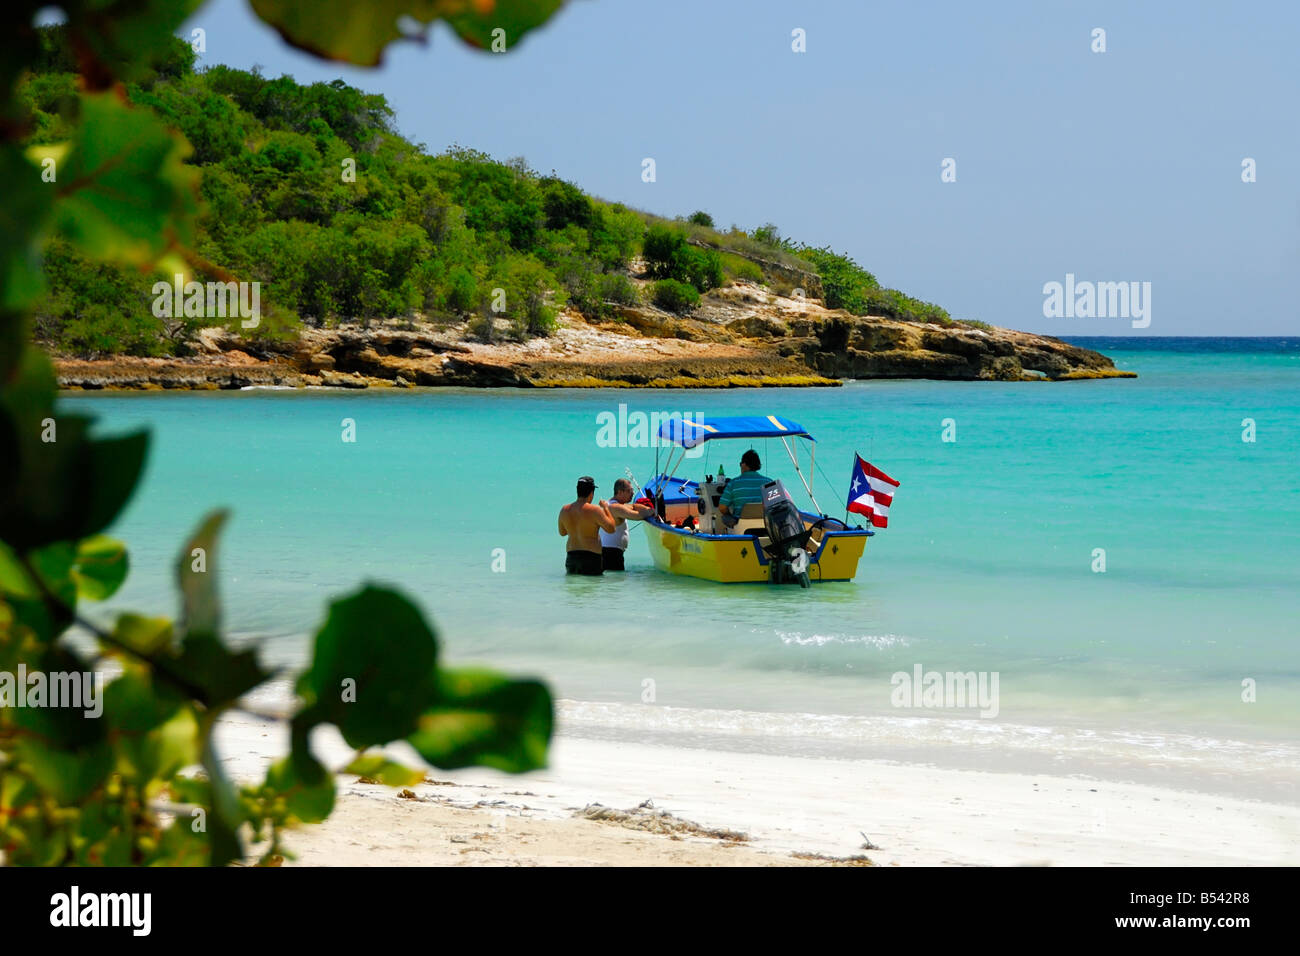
[[818, 640], [884, 734]]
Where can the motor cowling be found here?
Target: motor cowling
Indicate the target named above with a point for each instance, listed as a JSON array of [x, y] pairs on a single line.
[[787, 535], [780, 514]]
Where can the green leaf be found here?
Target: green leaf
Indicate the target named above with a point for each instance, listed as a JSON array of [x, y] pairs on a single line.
[[372, 673], [56, 482], [27, 394], [196, 573], [124, 192], [61, 748], [357, 33], [146, 636], [181, 846], [308, 802], [54, 564], [122, 38], [214, 673], [136, 702], [23, 214], [164, 750], [14, 578], [485, 719], [388, 772], [515, 17], [114, 466], [153, 730], [71, 488], [100, 568], [14, 338], [190, 790], [53, 568], [34, 616]]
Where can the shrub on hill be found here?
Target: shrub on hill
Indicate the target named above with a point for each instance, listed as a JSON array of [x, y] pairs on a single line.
[[673, 296], [669, 256]]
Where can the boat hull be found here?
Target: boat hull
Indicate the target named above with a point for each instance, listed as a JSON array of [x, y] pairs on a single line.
[[736, 559]]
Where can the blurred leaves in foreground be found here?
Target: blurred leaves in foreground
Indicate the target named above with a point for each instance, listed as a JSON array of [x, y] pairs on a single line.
[[109, 778]]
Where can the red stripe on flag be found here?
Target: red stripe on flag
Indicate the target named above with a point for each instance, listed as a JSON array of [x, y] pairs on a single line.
[[872, 471]]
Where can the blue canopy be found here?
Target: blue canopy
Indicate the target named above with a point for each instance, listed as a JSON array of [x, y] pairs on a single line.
[[689, 433]]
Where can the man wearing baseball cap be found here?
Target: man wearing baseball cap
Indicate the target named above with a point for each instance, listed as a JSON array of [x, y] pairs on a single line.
[[581, 522]]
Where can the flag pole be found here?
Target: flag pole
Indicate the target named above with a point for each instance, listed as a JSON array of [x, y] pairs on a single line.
[[846, 503]]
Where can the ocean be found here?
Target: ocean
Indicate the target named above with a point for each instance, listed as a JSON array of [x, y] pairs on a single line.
[[1122, 556]]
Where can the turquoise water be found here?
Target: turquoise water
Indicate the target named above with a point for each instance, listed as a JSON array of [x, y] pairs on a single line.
[[987, 565]]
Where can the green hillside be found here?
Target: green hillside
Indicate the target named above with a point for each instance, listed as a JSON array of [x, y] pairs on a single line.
[[311, 191]]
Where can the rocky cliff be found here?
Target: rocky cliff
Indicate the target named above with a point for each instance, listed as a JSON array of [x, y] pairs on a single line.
[[741, 335]]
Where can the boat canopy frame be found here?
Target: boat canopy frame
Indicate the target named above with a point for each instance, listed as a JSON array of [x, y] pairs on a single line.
[[675, 433]]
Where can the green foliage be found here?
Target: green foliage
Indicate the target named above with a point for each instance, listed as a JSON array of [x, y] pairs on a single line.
[[333, 30], [669, 256], [57, 490], [846, 285], [619, 290], [770, 236], [122, 188], [616, 233], [673, 296], [408, 233], [462, 290], [564, 204], [374, 675], [482, 327], [663, 249], [85, 785], [738, 267], [96, 307], [529, 302]]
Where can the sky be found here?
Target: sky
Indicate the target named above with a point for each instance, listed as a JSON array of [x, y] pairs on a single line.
[[1115, 166]]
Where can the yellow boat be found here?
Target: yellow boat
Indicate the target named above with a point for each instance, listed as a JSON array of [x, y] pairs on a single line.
[[773, 541]]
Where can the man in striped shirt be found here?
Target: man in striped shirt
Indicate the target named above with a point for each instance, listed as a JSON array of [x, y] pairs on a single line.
[[744, 488]]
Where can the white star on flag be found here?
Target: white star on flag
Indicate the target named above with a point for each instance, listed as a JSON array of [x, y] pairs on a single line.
[[874, 502]]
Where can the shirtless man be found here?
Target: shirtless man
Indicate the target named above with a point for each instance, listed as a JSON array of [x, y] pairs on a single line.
[[581, 522]]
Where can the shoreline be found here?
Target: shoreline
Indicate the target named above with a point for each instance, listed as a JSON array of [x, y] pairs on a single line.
[[792, 810], [742, 336]]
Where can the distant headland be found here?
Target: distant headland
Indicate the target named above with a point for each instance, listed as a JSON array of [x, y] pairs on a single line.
[[344, 255]]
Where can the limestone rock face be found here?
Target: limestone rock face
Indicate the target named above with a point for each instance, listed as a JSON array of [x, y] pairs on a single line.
[[757, 326], [745, 334]]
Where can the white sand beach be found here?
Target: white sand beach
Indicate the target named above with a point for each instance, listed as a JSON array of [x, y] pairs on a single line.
[[789, 810]]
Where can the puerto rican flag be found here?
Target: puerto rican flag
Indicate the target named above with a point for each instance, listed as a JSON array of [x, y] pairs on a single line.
[[871, 492]]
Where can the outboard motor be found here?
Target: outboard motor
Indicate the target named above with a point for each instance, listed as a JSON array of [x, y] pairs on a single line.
[[788, 536]]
